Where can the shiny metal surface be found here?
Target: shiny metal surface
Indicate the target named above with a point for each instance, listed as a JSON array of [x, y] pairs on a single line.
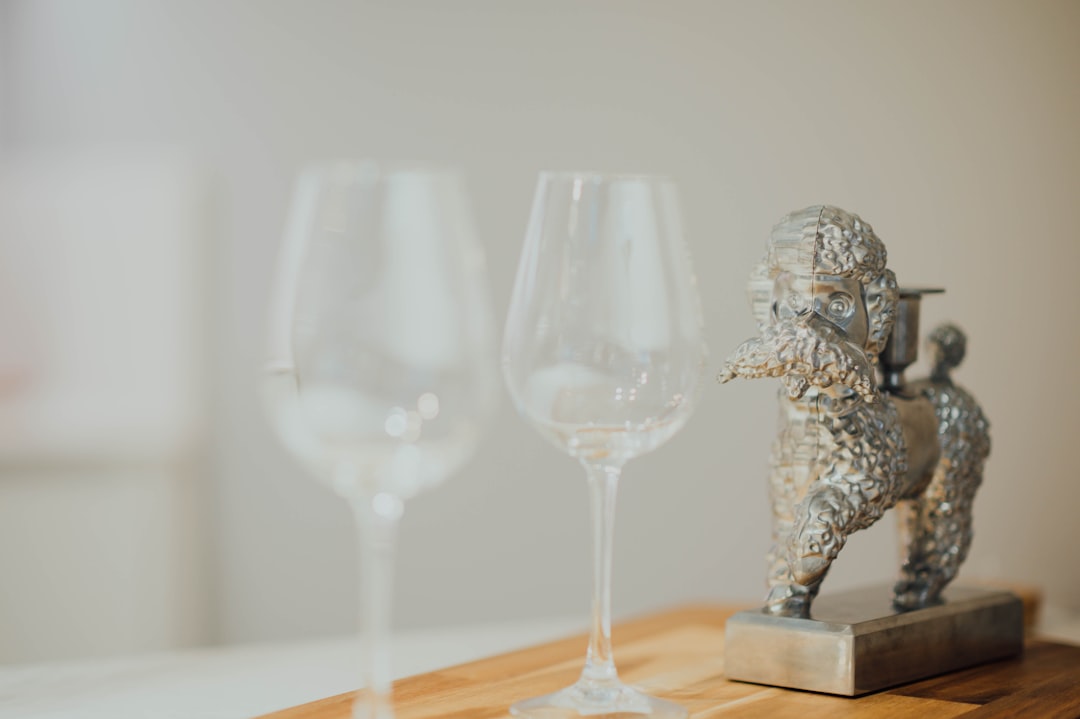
[[902, 349], [856, 642], [848, 448]]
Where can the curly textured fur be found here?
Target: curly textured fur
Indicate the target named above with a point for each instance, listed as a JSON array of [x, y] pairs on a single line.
[[803, 356], [835, 474], [936, 526]]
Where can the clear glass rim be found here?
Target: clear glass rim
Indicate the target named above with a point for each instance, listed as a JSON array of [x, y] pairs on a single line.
[[600, 176]]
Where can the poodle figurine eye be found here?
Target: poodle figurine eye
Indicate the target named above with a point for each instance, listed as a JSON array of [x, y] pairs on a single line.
[[840, 306]]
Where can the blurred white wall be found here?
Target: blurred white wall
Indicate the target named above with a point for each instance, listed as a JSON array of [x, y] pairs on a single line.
[[5, 45], [951, 127], [101, 403]]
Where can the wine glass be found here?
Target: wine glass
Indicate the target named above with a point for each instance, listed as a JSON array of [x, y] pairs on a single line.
[[604, 355], [381, 358]]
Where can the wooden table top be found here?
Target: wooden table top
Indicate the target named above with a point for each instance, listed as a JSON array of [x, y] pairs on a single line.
[[678, 655]]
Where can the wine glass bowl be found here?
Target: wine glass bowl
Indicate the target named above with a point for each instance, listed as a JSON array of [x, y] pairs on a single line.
[[380, 332], [604, 355], [380, 367]]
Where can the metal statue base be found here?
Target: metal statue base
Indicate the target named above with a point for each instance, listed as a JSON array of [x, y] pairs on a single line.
[[857, 642]]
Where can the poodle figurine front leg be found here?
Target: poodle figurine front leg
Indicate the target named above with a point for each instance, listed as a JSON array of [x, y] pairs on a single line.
[[819, 533], [786, 597], [864, 453], [824, 518]]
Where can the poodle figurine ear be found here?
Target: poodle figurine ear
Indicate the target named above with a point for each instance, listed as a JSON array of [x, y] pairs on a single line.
[[881, 297]]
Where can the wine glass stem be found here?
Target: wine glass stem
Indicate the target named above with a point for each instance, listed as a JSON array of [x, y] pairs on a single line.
[[603, 483], [377, 522]]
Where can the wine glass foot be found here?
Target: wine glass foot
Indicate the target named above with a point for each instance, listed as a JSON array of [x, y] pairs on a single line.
[[608, 701]]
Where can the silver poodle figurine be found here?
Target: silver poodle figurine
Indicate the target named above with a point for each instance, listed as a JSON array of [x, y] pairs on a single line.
[[849, 449]]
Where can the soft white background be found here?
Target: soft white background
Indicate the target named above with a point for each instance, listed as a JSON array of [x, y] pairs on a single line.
[[954, 128]]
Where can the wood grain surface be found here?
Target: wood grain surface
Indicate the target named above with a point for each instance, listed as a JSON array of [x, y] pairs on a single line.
[[678, 655]]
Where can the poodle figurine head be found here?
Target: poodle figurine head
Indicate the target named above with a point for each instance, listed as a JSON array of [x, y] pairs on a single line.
[[825, 304]]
